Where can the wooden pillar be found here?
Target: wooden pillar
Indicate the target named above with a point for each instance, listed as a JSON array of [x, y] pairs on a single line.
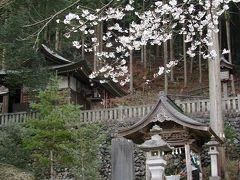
[[200, 166], [188, 161], [5, 103]]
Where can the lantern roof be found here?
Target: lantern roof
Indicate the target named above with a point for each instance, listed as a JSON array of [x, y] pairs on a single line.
[[156, 142]]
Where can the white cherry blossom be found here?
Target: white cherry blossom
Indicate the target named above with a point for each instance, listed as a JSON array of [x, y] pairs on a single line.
[[152, 27]]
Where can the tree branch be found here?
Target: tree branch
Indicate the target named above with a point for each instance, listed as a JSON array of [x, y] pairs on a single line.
[[49, 19]]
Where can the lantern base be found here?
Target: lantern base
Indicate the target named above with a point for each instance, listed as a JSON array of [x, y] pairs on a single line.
[[156, 167]]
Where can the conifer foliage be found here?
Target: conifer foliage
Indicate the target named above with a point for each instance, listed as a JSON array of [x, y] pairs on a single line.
[[57, 141]]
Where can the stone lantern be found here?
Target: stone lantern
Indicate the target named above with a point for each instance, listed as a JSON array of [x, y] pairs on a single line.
[[155, 149], [226, 69], [212, 144]]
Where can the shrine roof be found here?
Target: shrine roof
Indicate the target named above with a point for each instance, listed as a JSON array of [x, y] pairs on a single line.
[[52, 56], [82, 71], [115, 89], [226, 64], [165, 111]]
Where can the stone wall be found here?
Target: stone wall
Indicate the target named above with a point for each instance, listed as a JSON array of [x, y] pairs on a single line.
[[234, 147], [232, 120]]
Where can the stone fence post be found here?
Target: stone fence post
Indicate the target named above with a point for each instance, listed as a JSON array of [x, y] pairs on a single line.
[[120, 113], [238, 98]]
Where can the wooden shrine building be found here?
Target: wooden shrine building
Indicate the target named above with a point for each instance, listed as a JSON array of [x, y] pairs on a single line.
[[74, 79], [177, 129]]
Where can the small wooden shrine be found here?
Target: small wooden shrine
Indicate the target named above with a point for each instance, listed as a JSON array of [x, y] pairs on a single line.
[[177, 129]]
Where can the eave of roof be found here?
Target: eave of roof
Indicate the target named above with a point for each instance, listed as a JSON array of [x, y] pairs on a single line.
[[226, 64], [112, 88], [80, 67], [54, 57], [84, 71], [174, 111]]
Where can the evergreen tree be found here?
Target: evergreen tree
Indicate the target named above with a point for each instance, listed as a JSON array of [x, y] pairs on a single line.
[[45, 137], [59, 139]]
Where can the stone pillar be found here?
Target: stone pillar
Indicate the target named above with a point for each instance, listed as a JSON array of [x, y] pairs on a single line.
[[122, 159], [214, 159], [156, 166], [214, 163]]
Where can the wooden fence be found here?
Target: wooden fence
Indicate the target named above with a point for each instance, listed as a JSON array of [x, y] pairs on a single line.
[[126, 113]]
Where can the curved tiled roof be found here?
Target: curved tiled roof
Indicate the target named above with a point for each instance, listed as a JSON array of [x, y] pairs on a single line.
[[170, 112], [82, 71], [52, 56]]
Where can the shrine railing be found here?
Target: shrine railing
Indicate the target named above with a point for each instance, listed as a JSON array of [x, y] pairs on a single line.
[[19, 117], [231, 104], [126, 113], [121, 113]]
